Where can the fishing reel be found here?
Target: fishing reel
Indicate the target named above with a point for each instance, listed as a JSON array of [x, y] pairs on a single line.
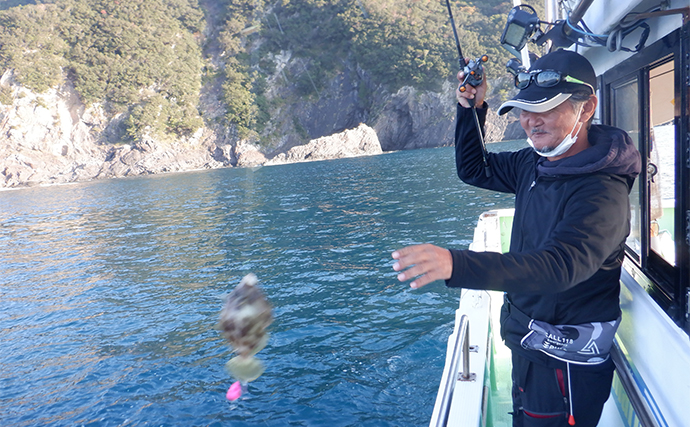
[[474, 72]]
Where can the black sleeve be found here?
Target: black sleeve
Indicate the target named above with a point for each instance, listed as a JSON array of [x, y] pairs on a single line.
[[505, 167], [595, 223]]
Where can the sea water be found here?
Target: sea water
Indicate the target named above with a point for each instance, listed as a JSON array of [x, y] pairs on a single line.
[[111, 292]]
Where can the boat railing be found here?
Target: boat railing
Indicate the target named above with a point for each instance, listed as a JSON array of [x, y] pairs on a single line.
[[462, 345], [637, 401]]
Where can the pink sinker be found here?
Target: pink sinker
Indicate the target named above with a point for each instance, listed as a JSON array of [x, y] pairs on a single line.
[[234, 392]]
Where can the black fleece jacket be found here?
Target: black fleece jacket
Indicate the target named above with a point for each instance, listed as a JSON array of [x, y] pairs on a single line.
[[572, 217]]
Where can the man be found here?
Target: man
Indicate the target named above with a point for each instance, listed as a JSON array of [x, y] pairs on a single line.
[[572, 216]]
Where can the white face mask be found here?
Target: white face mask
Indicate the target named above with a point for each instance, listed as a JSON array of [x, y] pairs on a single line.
[[564, 146]]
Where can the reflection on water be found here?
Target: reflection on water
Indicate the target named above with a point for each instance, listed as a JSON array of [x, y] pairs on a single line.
[[111, 292]]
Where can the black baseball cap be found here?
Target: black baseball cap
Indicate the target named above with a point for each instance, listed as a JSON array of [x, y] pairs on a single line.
[[577, 75]]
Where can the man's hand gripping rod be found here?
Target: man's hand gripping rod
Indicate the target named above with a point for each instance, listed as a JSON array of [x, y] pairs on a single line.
[[474, 75]]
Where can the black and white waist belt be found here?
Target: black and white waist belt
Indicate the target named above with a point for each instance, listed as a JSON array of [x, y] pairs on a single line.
[[583, 344]]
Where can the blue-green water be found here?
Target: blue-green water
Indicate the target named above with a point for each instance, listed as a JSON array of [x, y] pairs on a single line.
[[110, 293]]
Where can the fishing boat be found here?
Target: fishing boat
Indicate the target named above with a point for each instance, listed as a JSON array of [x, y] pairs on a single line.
[[640, 51]]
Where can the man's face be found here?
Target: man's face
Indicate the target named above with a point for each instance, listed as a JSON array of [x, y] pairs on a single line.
[[549, 128]]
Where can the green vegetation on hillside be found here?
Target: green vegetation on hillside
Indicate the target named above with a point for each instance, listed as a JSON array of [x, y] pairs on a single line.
[[242, 20], [144, 57], [399, 42], [141, 56]]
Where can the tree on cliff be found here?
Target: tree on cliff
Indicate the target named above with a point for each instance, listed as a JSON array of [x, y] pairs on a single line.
[[141, 57]]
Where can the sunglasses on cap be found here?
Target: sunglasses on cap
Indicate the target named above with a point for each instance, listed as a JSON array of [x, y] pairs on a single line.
[[546, 78]]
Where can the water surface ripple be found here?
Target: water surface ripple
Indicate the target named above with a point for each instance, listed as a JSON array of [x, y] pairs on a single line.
[[111, 290]]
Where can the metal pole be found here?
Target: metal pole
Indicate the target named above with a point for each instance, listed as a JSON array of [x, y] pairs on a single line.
[[577, 15], [466, 355], [452, 378]]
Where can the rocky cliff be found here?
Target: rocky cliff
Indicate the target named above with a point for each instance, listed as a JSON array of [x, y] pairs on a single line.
[[406, 119], [53, 137], [360, 141]]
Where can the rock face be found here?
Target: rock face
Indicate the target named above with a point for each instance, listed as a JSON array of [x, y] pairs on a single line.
[[40, 146], [52, 138], [361, 141], [412, 119], [342, 104], [407, 119]]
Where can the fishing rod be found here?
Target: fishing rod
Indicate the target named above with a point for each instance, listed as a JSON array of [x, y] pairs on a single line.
[[474, 76]]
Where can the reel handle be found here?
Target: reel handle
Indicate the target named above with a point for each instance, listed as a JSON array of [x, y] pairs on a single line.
[[474, 74]]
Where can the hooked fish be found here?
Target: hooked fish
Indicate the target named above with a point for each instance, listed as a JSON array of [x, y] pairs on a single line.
[[243, 321]]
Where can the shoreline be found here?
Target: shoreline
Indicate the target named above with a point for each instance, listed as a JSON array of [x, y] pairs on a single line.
[[266, 164]]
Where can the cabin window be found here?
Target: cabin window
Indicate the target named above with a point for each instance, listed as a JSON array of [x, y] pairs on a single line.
[[652, 199], [662, 165], [625, 115]]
